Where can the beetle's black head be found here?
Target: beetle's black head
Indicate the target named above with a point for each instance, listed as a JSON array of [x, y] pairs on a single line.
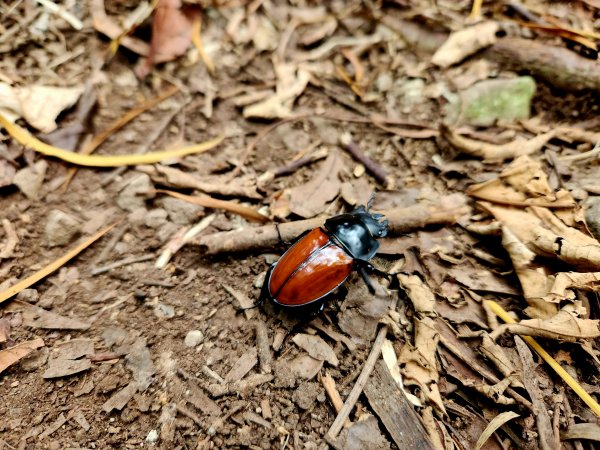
[[358, 231]]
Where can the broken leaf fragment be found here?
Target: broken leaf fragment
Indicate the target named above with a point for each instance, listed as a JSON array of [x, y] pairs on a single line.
[[11, 355], [39, 105]]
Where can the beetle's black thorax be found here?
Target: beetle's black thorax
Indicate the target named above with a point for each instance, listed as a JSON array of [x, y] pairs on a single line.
[[357, 232]]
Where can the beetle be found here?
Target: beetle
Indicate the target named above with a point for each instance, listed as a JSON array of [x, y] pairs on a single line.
[[322, 259]]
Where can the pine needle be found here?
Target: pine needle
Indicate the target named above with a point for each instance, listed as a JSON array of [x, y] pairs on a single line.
[[25, 138], [53, 266]]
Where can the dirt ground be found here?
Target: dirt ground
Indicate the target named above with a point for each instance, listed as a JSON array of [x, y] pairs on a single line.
[[137, 356]]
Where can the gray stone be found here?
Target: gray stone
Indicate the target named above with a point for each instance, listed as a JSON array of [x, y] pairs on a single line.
[[166, 232], [135, 193], [163, 311], [384, 81], [137, 216], [30, 179], [155, 218], [181, 212], [61, 228], [193, 338]]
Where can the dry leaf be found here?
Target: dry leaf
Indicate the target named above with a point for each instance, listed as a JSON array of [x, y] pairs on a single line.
[[36, 317], [316, 347], [311, 198], [523, 183], [589, 431], [38, 105], [291, 82], [496, 423], [172, 25], [391, 361], [11, 355], [466, 42], [565, 326], [495, 152]]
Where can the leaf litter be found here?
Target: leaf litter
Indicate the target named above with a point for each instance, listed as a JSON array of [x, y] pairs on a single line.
[[486, 177]]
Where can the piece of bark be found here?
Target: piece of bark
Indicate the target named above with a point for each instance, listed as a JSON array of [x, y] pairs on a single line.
[[262, 344], [395, 411], [121, 398], [558, 66], [242, 387], [530, 381], [242, 366], [445, 211], [201, 401]]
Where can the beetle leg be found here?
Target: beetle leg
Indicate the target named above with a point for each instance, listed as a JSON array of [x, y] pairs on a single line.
[[365, 277], [264, 293]]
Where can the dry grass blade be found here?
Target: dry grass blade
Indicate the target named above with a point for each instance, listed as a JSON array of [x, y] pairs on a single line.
[[11, 355], [587, 398], [25, 138], [496, 423], [99, 139], [53, 266], [210, 202]]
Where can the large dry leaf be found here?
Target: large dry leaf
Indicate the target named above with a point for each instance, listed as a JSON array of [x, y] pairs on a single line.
[[496, 152], [564, 282], [565, 325], [419, 363], [311, 198], [11, 355], [466, 42], [522, 183], [38, 105]]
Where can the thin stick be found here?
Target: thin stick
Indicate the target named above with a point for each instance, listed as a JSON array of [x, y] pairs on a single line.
[[123, 262], [372, 167], [110, 245], [338, 423]]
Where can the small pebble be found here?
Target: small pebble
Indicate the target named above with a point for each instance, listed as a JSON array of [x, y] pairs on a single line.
[[61, 228], [152, 437], [193, 338]]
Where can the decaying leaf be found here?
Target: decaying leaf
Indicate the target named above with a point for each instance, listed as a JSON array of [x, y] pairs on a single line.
[[312, 198], [496, 423], [391, 361], [11, 355], [465, 42], [291, 82], [589, 431], [36, 317], [316, 348], [39, 105], [564, 282], [496, 152], [172, 25], [419, 363], [523, 183], [565, 325]]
